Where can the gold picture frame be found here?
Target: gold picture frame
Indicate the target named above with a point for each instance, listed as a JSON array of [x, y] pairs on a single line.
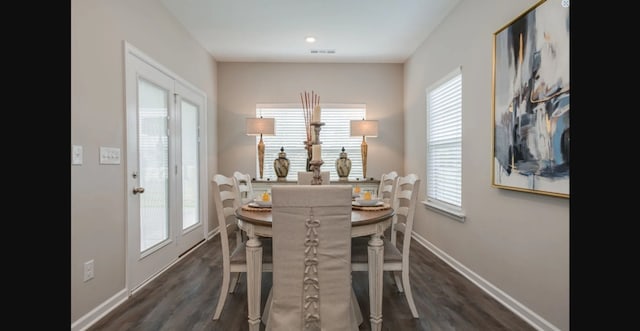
[[530, 103]]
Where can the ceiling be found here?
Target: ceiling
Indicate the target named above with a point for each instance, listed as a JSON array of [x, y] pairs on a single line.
[[346, 31]]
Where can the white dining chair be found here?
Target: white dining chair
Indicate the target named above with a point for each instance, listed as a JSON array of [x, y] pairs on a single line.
[[311, 259], [234, 259], [395, 260], [387, 186], [245, 189], [305, 177]]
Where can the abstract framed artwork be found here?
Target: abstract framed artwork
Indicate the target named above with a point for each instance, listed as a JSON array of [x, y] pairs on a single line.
[[530, 104]]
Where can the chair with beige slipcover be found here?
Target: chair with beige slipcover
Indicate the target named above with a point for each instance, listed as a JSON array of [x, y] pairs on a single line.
[[305, 177], [311, 259]]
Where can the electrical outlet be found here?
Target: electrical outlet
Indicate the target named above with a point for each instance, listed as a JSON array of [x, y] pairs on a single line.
[[88, 270]]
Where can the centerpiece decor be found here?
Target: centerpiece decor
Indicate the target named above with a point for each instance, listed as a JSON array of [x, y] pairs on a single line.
[[312, 119]]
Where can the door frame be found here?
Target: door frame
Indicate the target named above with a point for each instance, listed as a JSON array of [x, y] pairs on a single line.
[[130, 50]]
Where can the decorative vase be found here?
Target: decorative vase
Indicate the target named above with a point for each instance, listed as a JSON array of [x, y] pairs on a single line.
[[281, 165], [343, 165]]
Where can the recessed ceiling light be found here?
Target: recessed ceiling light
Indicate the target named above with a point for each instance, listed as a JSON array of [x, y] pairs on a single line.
[[310, 39]]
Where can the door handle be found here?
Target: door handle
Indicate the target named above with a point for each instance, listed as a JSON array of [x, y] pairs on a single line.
[[137, 190]]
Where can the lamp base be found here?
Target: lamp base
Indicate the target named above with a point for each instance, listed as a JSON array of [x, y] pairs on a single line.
[[363, 154], [261, 156]]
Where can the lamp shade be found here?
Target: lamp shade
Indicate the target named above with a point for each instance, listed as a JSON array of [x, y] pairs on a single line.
[[364, 128], [258, 126]]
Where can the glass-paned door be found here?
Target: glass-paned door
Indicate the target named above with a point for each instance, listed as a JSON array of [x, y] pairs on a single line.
[[153, 159], [190, 175], [164, 163], [190, 107]]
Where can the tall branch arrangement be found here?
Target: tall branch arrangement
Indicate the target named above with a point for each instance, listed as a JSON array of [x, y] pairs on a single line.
[[309, 101]]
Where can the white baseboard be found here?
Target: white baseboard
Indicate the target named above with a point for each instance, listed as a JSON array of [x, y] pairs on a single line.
[[213, 232], [112, 303], [516, 307], [97, 313]]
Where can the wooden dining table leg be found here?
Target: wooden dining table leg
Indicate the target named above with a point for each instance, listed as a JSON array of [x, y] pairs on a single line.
[[376, 254], [254, 279]]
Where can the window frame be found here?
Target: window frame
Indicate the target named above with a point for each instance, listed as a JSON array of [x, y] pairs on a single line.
[[448, 209], [329, 154]]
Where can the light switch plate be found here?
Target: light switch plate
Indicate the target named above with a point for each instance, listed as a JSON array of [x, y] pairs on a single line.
[[76, 154], [109, 155]]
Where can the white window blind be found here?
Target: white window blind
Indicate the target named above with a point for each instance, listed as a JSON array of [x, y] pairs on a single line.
[[444, 142], [290, 133]]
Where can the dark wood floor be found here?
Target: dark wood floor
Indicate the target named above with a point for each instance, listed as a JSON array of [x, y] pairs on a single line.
[[185, 296]]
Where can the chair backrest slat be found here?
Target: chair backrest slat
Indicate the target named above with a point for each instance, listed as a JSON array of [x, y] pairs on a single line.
[[245, 188], [387, 187], [225, 196], [404, 204]]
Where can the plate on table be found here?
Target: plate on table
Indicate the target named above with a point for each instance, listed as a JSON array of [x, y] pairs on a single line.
[[367, 203], [260, 204]]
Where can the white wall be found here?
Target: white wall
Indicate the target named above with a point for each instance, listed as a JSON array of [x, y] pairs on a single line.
[[98, 199], [242, 85], [518, 242]]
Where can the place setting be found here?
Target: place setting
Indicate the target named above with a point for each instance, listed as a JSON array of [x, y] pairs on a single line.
[[262, 203], [368, 201]]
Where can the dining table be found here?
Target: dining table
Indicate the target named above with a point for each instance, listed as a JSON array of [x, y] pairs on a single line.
[[256, 221]]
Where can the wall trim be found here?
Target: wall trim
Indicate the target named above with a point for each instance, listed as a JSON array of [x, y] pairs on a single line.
[[100, 311], [119, 298], [213, 233], [512, 304]]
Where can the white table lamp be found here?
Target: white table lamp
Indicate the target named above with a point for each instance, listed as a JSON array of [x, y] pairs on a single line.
[[364, 128], [260, 126]]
